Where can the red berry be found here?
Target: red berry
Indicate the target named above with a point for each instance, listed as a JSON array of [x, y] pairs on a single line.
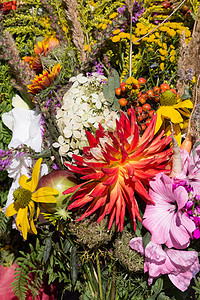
[[123, 102], [123, 88], [138, 110], [129, 112], [173, 91], [151, 113], [118, 91], [141, 81], [156, 89], [147, 122], [136, 86], [146, 107], [142, 100], [121, 84], [150, 93], [164, 86], [143, 126]]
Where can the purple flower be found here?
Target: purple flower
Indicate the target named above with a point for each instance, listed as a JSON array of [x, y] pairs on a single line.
[[181, 266], [121, 9], [5, 159], [167, 220]]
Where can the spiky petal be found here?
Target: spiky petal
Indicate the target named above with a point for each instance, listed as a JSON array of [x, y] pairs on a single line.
[[117, 165]]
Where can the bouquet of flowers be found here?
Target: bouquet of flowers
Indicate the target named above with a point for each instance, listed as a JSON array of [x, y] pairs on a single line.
[[99, 150]]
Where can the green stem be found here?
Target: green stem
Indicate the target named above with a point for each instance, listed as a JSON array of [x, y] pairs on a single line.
[[131, 44], [99, 277]]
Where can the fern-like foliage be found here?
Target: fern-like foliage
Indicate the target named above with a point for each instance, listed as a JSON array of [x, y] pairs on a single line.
[[52, 257]]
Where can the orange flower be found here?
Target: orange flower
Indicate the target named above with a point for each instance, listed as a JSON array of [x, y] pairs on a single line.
[[42, 47], [42, 81], [45, 45], [117, 165]]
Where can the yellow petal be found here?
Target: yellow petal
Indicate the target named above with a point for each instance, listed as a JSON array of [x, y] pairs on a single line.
[[31, 207], [22, 221], [177, 133], [169, 112], [11, 211], [184, 112], [23, 182], [33, 228], [159, 120], [184, 104], [35, 174], [45, 194], [38, 211]]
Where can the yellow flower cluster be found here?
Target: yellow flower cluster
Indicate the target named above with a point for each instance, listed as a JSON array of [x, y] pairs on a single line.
[[89, 47]]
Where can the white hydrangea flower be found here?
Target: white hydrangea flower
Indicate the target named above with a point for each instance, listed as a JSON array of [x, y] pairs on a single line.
[[84, 107]]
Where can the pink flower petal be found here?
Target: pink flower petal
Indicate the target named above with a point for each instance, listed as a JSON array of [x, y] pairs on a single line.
[[137, 245]]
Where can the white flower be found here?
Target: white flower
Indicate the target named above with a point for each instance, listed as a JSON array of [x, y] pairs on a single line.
[[25, 126], [63, 147], [84, 107]]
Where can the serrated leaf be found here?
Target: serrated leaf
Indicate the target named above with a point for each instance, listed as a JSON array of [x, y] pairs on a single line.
[[73, 265], [47, 249]]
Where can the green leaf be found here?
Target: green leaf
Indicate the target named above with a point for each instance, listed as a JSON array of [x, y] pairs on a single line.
[[73, 266], [146, 239], [66, 246], [47, 249], [187, 93], [157, 287], [110, 87]]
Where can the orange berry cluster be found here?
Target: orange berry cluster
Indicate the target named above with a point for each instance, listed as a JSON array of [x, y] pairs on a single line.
[[145, 103], [7, 6]]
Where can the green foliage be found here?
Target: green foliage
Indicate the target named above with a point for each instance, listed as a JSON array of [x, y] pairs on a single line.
[[109, 89], [25, 28], [51, 257]]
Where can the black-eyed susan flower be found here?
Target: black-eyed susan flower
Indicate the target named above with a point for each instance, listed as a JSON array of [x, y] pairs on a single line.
[[24, 198], [174, 110]]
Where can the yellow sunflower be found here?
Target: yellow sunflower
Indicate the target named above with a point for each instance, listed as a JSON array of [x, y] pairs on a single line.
[[44, 80], [174, 110], [24, 198]]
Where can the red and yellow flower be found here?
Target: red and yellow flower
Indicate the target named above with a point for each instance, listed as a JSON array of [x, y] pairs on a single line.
[[116, 166], [41, 48], [44, 80]]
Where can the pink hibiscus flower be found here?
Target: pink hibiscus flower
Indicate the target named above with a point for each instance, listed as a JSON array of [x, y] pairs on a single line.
[[167, 219], [181, 266]]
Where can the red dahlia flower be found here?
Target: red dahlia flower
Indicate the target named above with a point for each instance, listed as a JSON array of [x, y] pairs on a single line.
[[117, 165]]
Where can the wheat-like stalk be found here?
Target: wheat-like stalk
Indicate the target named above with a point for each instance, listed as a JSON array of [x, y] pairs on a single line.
[[77, 32]]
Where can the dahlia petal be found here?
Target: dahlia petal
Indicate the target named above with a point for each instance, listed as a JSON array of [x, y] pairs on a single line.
[[110, 171], [111, 180], [142, 191], [133, 122], [135, 139], [112, 215], [118, 205], [114, 194], [78, 170], [79, 203], [98, 202], [97, 175], [149, 132], [98, 190]]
